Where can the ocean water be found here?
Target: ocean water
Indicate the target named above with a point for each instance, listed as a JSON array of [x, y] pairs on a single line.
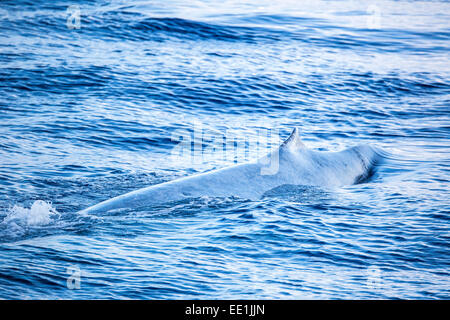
[[95, 96]]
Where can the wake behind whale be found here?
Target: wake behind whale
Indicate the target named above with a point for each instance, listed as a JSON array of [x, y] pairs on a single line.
[[291, 164]]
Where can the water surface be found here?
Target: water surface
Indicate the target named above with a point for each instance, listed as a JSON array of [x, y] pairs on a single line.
[[94, 110]]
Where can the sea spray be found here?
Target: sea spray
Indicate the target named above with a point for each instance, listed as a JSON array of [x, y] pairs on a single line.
[[40, 213]]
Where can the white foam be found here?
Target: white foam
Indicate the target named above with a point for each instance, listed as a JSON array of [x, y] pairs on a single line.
[[40, 213]]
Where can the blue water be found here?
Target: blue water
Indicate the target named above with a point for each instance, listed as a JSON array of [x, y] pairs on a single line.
[[93, 110]]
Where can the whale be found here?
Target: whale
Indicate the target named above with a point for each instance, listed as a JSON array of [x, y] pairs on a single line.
[[292, 163]]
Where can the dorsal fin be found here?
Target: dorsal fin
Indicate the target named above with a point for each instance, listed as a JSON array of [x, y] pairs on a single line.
[[293, 142]]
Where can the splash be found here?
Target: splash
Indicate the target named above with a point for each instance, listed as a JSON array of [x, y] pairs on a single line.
[[40, 213]]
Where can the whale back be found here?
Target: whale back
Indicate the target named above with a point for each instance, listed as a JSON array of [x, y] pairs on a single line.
[[296, 165], [301, 165]]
